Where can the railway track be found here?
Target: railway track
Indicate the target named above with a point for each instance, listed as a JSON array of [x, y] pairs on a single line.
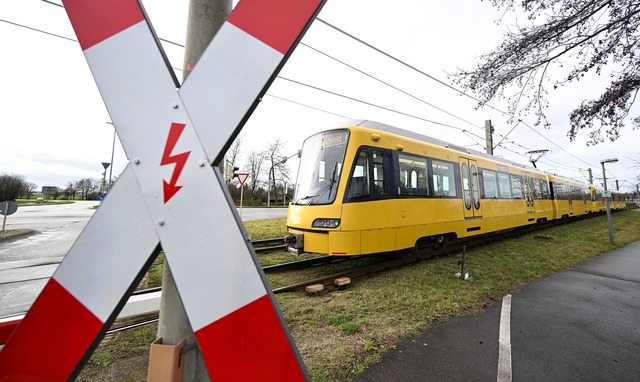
[[307, 263], [419, 255], [269, 245]]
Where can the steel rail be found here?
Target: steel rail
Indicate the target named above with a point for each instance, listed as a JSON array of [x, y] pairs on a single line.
[[424, 254]]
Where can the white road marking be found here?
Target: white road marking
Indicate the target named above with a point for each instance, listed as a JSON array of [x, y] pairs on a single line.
[[504, 341]]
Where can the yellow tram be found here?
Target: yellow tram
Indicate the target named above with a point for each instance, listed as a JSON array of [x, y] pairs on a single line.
[[571, 198], [367, 188]]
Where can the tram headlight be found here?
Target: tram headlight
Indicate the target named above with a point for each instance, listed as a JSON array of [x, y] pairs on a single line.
[[325, 223]]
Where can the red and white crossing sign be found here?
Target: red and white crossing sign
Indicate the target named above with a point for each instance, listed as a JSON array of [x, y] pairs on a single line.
[[242, 177], [169, 197]]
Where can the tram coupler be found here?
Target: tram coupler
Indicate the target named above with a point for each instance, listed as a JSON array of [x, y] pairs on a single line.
[[294, 242]]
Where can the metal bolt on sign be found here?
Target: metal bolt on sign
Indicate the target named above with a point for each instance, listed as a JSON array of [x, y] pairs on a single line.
[[151, 206]]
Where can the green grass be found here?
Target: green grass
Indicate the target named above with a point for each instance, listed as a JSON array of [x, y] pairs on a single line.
[[266, 229], [33, 201], [341, 332], [10, 234]]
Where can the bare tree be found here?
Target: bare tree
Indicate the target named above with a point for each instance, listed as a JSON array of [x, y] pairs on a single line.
[[86, 186], [574, 36], [29, 188], [11, 187], [277, 162], [70, 191], [255, 162], [235, 150]]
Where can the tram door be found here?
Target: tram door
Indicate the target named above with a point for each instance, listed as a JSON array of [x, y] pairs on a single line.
[[528, 191], [470, 188]]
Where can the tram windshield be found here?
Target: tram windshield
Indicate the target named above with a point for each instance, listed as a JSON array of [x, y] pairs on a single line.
[[320, 167]]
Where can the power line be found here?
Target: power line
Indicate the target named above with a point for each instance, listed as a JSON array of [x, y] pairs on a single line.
[[38, 30], [389, 85], [364, 73], [427, 103], [442, 83], [62, 6], [171, 42], [308, 106], [374, 105], [398, 60], [71, 39], [52, 3]]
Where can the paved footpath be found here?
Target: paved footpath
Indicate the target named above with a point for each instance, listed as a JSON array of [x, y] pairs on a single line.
[[582, 324]]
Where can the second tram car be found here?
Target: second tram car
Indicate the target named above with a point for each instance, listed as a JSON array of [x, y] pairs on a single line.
[[368, 188]]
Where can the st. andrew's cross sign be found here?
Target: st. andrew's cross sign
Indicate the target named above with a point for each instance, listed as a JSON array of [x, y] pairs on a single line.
[[169, 194]]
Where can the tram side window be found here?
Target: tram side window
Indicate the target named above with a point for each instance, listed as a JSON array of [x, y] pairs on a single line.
[[599, 196], [378, 172], [516, 187], [412, 175], [359, 183], [546, 192], [489, 184], [504, 186], [444, 181], [561, 192], [537, 191], [543, 188]]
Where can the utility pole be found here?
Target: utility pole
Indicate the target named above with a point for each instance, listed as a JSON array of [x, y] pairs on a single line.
[[617, 186], [590, 176], [204, 20], [489, 136]]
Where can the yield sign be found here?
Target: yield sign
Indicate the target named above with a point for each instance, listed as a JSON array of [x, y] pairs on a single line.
[[242, 177], [169, 197]]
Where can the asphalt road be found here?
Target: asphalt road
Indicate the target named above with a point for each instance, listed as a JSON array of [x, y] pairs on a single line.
[[582, 324], [26, 264]]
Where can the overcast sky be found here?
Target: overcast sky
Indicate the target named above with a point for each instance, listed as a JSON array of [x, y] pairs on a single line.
[[54, 123]]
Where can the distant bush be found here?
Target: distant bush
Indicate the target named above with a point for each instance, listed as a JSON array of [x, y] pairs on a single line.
[[12, 187]]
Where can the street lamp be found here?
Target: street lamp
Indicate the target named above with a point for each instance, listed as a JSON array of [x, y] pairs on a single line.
[[607, 196], [284, 160], [113, 147]]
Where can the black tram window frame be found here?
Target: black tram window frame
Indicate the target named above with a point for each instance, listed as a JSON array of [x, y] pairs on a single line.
[[501, 191], [456, 178], [396, 174], [483, 191], [388, 174]]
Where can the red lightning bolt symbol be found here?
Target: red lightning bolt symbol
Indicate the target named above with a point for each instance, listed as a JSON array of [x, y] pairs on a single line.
[[171, 188]]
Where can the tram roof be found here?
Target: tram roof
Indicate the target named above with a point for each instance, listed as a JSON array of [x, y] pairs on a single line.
[[435, 141]]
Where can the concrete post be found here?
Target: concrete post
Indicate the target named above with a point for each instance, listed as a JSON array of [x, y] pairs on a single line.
[[489, 136], [205, 18]]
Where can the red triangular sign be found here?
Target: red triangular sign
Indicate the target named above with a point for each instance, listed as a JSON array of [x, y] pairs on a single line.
[[242, 177]]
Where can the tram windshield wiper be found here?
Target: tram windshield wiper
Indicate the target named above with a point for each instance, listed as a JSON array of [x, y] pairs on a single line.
[[299, 201], [332, 181], [327, 187]]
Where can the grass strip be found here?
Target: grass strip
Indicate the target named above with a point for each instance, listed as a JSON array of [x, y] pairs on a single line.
[[340, 333]]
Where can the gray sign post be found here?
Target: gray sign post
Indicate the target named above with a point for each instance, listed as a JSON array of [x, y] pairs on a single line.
[[8, 207]]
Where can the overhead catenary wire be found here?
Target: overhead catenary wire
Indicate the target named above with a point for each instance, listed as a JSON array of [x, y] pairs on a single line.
[[307, 106], [366, 44], [72, 39], [390, 85], [443, 83], [374, 105], [373, 77], [567, 166], [38, 30]]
